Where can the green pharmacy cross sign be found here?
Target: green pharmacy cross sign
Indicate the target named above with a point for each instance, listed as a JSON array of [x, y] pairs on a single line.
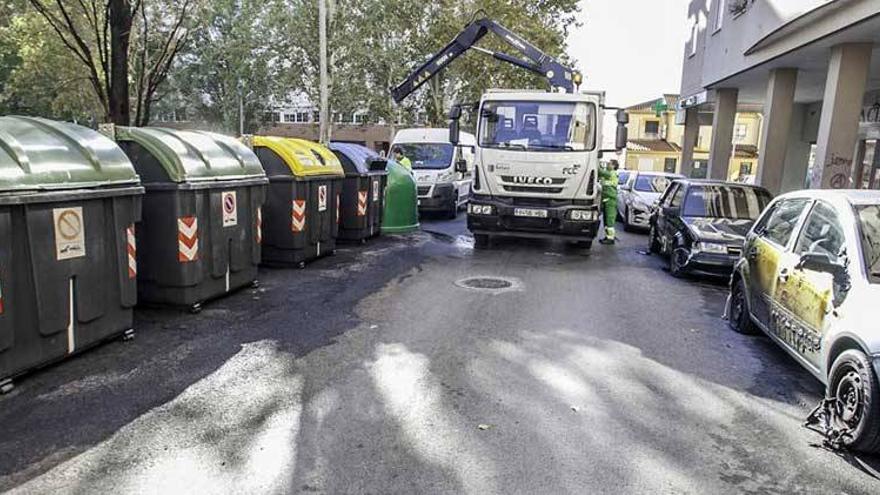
[[660, 106]]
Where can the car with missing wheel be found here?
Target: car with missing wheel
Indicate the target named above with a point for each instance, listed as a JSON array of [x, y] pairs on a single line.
[[639, 191], [809, 278], [700, 225]]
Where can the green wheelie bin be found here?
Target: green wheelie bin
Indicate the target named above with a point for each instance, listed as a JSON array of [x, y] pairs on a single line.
[[202, 228], [69, 202], [363, 191], [302, 211], [401, 213]]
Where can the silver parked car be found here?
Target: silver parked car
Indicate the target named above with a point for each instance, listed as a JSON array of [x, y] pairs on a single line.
[[638, 194], [809, 278]]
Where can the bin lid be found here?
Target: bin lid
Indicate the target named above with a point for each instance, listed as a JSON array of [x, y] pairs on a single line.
[[40, 155], [305, 158], [360, 156], [195, 156]]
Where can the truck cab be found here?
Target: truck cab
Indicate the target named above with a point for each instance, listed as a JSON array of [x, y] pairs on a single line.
[[537, 165], [443, 171]]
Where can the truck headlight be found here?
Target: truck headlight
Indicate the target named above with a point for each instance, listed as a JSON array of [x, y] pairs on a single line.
[[480, 209], [447, 177], [583, 215], [711, 247]]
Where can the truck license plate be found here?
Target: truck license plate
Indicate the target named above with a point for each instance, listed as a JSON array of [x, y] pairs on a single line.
[[529, 212]]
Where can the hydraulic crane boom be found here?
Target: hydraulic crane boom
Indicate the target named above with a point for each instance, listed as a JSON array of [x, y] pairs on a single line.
[[557, 74]]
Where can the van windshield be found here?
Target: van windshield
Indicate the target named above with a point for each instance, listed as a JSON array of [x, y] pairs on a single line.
[[538, 125], [425, 156]]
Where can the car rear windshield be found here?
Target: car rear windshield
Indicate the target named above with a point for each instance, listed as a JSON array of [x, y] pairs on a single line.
[[739, 203], [426, 155], [869, 227], [652, 183]]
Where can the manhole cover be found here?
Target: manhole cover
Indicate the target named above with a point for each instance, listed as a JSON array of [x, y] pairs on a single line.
[[490, 284]]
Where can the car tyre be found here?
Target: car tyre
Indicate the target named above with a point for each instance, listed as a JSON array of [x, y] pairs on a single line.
[[452, 211], [653, 243], [627, 225], [739, 317], [481, 241], [677, 260], [853, 385]]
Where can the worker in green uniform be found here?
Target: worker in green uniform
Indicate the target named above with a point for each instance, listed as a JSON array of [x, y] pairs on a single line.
[[403, 160], [609, 182]]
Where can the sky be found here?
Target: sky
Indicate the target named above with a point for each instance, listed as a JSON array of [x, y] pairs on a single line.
[[631, 49]]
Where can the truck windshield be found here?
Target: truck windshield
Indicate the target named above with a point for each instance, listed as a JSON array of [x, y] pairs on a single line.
[[738, 203], [869, 220], [425, 155], [538, 126]]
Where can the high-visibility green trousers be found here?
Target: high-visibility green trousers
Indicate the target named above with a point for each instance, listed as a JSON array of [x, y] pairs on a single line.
[[610, 209]]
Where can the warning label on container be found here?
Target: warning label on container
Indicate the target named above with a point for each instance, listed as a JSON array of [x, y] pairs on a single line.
[[70, 237], [322, 198], [230, 209], [375, 191]]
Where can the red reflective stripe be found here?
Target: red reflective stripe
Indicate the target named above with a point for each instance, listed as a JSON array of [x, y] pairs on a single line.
[[131, 248], [187, 239], [362, 203], [259, 233], [298, 216]]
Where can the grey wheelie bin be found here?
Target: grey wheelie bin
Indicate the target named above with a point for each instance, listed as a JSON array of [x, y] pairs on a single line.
[[69, 202], [363, 192], [302, 212], [201, 233]]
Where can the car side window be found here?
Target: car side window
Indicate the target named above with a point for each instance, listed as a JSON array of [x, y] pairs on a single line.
[[822, 233], [677, 197], [781, 222]]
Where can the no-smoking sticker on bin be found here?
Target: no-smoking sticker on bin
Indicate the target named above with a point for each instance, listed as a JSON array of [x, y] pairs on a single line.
[[322, 198], [230, 209], [70, 236]]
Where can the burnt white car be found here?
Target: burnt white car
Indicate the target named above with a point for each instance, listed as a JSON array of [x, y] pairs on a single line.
[[809, 278]]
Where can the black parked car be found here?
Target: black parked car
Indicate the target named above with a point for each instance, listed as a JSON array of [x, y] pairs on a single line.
[[701, 224]]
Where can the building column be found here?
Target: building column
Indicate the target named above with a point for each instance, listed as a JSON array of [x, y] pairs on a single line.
[[689, 141], [797, 153], [722, 133], [839, 123], [778, 107]]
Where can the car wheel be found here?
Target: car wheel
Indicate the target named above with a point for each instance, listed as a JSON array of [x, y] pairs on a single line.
[[739, 319], [452, 212], [854, 389], [677, 261], [481, 241], [627, 224], [653, 243]]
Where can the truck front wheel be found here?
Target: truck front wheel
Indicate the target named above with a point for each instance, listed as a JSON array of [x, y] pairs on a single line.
[[481, 241]]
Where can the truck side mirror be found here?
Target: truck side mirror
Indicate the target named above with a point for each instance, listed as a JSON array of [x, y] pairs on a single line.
[[461, 166], [622, 137], [454, 130], [622, 117]]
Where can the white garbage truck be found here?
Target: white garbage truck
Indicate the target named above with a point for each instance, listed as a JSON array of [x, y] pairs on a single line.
[[536, 171], [443, 186]]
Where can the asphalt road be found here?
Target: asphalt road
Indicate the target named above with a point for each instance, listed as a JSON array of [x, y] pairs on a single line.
[[375, 372]]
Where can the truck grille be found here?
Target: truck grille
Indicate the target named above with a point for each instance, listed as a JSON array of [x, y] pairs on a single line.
[[533, 189]]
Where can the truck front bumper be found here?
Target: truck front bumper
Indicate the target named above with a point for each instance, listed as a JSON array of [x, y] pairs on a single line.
[[502, 220]]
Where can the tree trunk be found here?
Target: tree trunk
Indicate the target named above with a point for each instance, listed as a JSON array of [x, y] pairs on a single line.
[[120, 35]]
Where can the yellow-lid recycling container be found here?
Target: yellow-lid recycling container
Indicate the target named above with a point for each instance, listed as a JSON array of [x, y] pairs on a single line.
[[302, 213]]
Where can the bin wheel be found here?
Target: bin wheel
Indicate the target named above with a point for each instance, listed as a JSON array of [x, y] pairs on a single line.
[[128, 335], [255, 284], [195, 308], [363, 241], [6, 386], [301, 265]]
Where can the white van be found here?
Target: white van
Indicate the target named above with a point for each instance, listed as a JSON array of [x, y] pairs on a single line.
[[433, 159]]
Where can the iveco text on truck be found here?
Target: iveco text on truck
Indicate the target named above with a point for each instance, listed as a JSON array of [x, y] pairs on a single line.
[[537, 153]]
